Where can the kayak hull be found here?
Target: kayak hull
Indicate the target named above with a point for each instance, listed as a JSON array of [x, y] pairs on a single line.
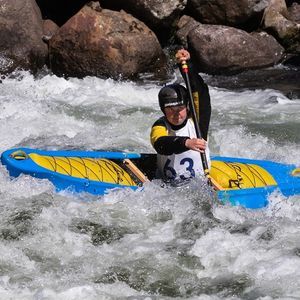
[[97, 172]]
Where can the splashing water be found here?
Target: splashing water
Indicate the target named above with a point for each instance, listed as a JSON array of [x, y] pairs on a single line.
[[159, 243]]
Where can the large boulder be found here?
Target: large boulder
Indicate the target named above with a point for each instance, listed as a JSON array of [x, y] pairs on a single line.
[[21, 32], [227, 12], [225, 50], [105, 43], [276, 20], [157, 14]]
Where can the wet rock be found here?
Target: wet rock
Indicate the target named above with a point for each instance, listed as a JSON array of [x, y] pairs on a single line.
[[227, 50], [105, 44], [228, 12], [21, 32]]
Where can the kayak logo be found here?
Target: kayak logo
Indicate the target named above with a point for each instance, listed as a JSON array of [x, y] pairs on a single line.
[[235, 183]]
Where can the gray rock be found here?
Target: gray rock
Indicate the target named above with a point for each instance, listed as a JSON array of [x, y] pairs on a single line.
[[185, 25], [155, 13], [21, 31], [294, 12], [226, 12], [276, 20], [49, 29], [221, 49]]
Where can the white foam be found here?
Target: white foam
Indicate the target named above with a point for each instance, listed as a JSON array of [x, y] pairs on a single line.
[[53, 252]]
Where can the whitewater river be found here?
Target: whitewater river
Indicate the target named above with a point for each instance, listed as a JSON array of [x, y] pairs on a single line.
[[159, 243]]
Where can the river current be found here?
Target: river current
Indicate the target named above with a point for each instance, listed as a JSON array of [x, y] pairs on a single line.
[[158, 243]]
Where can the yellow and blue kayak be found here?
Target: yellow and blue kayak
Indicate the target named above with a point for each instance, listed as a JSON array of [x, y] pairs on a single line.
[[244, 182]]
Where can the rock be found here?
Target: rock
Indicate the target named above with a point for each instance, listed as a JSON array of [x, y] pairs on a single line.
[[21, 32], [106, 44], [276, 21], [227, 12], [49, 29], [157, 14], [294, 12], [185, 25], [221, 49]]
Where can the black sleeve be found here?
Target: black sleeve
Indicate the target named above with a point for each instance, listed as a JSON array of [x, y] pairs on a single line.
[[198, 85], [167, 145]]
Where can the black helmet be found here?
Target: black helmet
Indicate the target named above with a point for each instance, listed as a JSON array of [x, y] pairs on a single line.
[[172, 95]]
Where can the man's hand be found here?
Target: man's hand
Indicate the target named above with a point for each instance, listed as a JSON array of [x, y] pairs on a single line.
[[182, 55], [195, 144]]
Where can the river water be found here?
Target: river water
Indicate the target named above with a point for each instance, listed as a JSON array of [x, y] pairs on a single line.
[[159, 243]]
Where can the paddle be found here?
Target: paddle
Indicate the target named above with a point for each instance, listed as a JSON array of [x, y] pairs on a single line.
[[205, 166]]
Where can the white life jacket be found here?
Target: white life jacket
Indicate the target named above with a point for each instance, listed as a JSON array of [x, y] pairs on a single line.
[[186, 164]]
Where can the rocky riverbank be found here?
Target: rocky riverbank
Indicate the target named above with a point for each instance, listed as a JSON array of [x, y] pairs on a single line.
[[126, 39]]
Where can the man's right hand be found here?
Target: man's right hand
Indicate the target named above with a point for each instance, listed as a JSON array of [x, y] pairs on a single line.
[[195, 144], [182, 55]]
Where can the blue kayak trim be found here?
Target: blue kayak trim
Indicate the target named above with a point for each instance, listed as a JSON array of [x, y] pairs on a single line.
[[288, 185], [252, 198], [76, 153]]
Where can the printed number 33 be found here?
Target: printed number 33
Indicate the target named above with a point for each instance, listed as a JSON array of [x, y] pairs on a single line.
[[170, 172]]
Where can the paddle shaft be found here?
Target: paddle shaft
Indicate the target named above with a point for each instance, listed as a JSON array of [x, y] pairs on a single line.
[[185, 70]]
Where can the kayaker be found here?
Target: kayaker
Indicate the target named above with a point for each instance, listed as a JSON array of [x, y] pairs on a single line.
[[173, 136]]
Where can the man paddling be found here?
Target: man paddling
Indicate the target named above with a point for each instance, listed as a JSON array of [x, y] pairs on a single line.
[[173, 136]]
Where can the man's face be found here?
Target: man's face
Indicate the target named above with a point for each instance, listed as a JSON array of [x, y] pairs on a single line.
[[176, 115]]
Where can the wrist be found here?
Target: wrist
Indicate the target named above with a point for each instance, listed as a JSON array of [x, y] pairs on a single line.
[[186, 143]]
